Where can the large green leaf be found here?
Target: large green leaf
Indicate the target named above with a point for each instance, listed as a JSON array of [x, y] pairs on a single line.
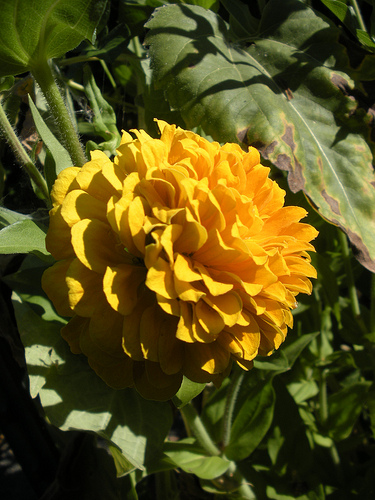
[[72, 395], [190, 457], [59, 154], [24, 236], [34, 30], [253, 417], [282, 94], [344, 408]]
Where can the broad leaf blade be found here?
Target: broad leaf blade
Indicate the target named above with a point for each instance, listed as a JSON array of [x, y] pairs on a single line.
[[72, 395], [33, 30], [282, 95], [24, 236], [191, 458], [59, 154]]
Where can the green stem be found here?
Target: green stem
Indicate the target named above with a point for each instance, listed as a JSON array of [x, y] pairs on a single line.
[[244, 491], [77, 59], [350, 281], [21, 155], [195, 424], [358, 15], [232, 393], [43, 75], [372, 312], [108, 73], [323, 407]]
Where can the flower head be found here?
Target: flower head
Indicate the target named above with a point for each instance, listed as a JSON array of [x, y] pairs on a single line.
[[175, 259]]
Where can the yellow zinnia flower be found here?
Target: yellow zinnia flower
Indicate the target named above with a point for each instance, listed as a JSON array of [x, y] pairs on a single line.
[[175, 259]]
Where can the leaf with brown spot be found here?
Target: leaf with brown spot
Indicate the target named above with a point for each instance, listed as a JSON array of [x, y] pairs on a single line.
[[244, 95]]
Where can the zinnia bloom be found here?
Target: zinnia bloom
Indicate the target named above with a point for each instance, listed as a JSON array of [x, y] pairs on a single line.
[[174, 259]]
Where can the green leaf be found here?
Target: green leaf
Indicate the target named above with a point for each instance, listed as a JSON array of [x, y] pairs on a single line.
[[344, 407], [6, 83], [111, 46], [293, 349], [191, 458], [188, 391], [254, 413], [74, 397], [104, 122], [59, 154], [339, 8], [242, 22], [283, 94], [36, 30], [24, 236], [8, 217], [365, 38]]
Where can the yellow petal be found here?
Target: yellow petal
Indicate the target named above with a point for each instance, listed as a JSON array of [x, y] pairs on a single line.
[[201, 361], [96, 246], [152, 383], [85, 289], [209, 319], [120, 285], [118, 375], [105, 330], [229, 306], [184, 269], [80, 205], [54, 284], [72, 332], [160, 279], [131, 342], [58, 238], [91, 179], [63, 184]]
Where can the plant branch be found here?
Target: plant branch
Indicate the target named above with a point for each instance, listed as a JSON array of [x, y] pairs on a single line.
[[350, 281], [67, 133], [21, 155], [194, 423], [232, 393]]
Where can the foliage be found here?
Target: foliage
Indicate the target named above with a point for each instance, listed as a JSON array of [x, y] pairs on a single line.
[[293, 78]]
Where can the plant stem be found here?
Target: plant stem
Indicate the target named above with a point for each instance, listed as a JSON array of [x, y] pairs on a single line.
[[232, 393], [43, 75], [21, 155], [358, 15], [372, 311], [108, 73], [195, 424], [323, 407], [350, 281], [77, 59]]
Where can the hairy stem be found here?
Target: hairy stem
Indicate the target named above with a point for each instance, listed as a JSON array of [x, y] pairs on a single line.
[[67, 134], [194, 423], [21, 155], [350, 281], [232, 393]]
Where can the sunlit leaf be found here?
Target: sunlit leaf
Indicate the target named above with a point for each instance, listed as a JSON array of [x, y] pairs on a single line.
[[253, 417], [60, 155], [74, 397], [103, 123], [190, 457], [282, 94], [24, 236], [187, 392], [34, 30]]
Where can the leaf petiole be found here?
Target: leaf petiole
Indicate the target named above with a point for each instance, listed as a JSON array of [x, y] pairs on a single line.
[[68, 135], [21, 155]]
